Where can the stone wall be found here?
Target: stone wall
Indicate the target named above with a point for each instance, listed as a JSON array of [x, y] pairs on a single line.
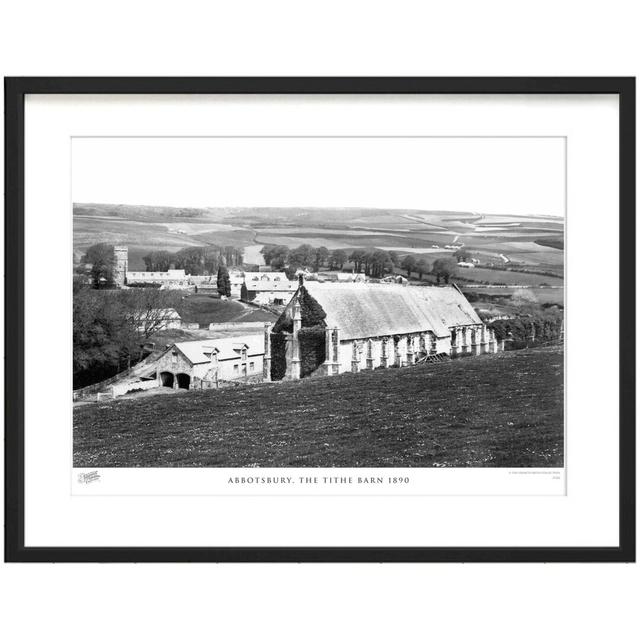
[[204, 384], [134, 385], [387, 351], [473, 340]]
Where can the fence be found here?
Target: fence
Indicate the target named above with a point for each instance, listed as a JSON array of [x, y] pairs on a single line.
[[223, 326], [104, 386], [135, 385]]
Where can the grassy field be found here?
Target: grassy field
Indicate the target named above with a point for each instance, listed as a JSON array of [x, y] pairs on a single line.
[[494, 276], [540, 295], [502, 410], [204, 309], [168, 337]]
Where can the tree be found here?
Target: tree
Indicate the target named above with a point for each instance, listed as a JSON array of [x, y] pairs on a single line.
[[395, 258], [275, 255], [322, 256], [223, 282], [462, 255], [422, 267], [358, 258], [338, 258], [444, 268], [280, 260], [408, 264], [233, 256], [367, 260], [380, 263], [302, 256], [211, 260], [158, 260], [194, 260], [191, 259], [146, 310], [109, 328], [102, 260], [96, 356]]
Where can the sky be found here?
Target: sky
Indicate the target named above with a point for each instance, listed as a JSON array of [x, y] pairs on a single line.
[[515, 176]]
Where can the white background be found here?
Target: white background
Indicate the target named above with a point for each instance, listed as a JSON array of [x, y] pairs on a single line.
[[332, 38], [484, 175]]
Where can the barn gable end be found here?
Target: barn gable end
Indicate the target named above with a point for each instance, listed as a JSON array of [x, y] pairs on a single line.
[[373, 325]]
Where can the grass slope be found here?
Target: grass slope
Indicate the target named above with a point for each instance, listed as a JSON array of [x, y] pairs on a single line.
[[204, 309], [503, 410]]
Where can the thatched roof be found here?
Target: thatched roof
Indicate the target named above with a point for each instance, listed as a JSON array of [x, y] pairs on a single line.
[[368, 310]]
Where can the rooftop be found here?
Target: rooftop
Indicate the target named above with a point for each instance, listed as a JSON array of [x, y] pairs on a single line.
[[199, 351], [365, 310]]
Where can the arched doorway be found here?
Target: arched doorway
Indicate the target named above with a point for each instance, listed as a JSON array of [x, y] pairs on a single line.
[[166, 379], [183, 380]]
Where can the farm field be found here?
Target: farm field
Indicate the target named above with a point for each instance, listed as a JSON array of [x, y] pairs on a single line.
[[501, 410], [541, 295], [493, 276], [346, 241], [148, 228]]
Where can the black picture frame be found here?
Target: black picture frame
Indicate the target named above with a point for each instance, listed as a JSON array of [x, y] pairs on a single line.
[[15, 91]]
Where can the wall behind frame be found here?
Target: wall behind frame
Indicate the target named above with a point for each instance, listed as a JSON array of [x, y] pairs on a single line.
[[407, 38]]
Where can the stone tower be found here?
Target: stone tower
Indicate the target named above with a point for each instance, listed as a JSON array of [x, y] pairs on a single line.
[[120, 265]]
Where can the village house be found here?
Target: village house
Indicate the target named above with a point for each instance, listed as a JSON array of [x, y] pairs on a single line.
[[338, 276], [209, 284], [328, 329], [394, 279], [267, 288], [204, 284], [173, 278]]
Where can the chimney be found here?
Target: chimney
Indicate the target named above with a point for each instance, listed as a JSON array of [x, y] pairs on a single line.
[[301, 279]]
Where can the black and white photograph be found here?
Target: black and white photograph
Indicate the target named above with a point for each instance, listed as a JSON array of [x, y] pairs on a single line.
[[319, 301]]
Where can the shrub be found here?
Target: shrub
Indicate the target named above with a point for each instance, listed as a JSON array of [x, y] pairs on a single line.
[[312, 349], [278, 356], [533, 329], [144, 285], [312, 314]]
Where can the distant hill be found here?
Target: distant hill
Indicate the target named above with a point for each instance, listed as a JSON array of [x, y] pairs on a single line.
[[529, 240], [137, 212]]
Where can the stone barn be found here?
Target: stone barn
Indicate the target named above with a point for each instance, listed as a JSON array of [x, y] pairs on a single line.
[[332, 328], [206, 364]]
